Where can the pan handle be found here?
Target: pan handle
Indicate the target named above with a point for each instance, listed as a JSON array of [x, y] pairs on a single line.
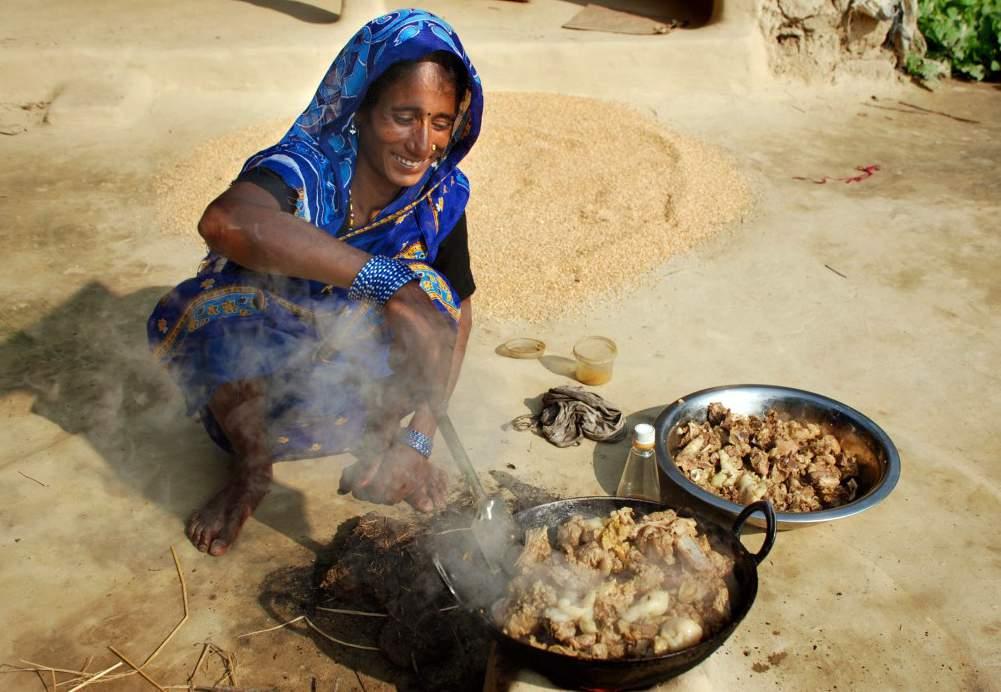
[[765, 507]]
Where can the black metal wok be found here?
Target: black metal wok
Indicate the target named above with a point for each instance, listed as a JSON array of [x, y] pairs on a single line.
[[476, 589]]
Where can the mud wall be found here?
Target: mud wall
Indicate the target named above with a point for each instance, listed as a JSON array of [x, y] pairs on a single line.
[[822, 40]]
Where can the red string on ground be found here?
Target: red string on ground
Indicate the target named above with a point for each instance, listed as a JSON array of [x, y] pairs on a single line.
[[864, 172]]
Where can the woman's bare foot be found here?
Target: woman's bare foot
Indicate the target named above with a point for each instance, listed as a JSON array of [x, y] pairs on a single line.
[[239, 409], [214, 527]]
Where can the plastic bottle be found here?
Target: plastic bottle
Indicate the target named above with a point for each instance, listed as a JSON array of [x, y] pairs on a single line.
[[640, 478]]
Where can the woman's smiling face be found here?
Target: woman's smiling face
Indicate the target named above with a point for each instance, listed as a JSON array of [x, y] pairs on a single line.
[[409, 125]]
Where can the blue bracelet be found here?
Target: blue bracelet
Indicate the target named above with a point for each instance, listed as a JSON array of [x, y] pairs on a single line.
[[380, 279], [418, 440]]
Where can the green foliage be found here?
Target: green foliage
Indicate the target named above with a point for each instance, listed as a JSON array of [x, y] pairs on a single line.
[[965, 33], [925, 69]]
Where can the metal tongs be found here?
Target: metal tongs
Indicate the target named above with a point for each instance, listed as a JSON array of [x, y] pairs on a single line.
[[492, 527]]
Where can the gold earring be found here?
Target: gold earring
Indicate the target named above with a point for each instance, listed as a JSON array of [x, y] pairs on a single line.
[[434, 148]]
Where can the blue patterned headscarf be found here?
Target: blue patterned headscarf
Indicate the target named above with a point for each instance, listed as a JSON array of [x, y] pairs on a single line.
[[317, 155]]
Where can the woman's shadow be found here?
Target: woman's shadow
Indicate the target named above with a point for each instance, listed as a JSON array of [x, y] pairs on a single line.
[[87, 365]]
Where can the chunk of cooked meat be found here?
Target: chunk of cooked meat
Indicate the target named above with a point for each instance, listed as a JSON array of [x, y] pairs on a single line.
[[562, 630], [654, 536], [759, 462], [537, 548], [675, 634], [612, 599], [802, 498], [575, 531], [594, 556], [524, 609], [716, 413], [650, 605]]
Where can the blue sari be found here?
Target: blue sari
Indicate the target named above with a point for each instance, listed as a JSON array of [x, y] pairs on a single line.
[[321, 354]]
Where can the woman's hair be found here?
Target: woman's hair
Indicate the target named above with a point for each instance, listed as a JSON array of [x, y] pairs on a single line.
[[455, 71]]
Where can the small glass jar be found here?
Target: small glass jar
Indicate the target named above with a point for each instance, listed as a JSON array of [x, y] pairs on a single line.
[[595, 356]]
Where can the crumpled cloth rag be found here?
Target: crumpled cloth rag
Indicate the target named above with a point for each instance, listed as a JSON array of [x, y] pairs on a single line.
[[570, 412]]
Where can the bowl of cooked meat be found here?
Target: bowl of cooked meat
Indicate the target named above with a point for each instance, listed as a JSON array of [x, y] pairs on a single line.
[[814, 458], [608, 592]]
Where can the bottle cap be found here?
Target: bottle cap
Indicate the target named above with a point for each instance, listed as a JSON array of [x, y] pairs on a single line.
[[644, 434]]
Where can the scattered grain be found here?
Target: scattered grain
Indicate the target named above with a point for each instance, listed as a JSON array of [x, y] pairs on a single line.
[[186, 186]]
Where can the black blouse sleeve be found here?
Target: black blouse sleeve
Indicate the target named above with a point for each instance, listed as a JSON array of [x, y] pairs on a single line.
[[453, 260], [272, 182]]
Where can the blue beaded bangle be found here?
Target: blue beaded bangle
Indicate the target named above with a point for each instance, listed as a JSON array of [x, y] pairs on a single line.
[[418, 440], [380, 279]]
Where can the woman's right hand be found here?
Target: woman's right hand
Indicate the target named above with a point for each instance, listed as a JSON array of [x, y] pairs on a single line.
[[401, 473]]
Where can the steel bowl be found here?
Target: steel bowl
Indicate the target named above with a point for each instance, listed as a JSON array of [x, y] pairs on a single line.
[[879, 463]]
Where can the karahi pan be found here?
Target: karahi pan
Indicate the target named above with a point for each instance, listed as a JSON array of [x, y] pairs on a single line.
[[476, 589]]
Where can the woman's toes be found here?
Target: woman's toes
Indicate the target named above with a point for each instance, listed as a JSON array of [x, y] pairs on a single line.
[[191, 529], [203, 541], [195, 532], [202, 536], [218, 547]]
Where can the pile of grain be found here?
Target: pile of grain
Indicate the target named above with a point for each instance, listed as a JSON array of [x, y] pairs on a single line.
[[573, 198]]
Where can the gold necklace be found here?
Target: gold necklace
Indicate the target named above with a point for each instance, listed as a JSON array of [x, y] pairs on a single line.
[[351, 214]]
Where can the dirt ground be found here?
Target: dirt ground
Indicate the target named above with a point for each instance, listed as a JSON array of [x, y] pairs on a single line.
[[885, 294]]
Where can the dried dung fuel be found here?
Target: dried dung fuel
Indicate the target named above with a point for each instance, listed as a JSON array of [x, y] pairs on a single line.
[[383, 565], [377, 564], [573, 198]]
